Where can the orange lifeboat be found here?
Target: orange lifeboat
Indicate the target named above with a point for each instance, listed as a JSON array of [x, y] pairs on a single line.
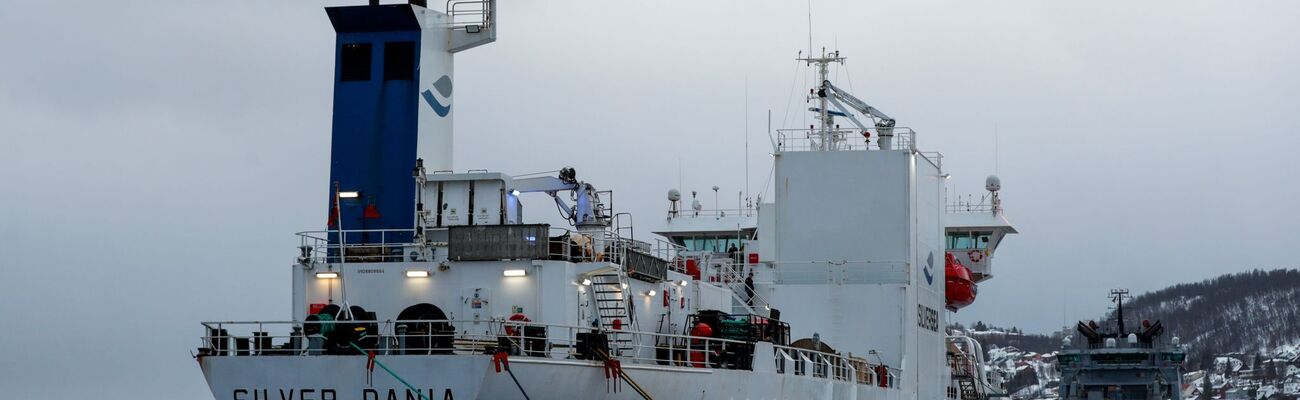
[[961, 290]]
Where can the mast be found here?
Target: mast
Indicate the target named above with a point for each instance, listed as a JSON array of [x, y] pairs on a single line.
[[825, 133], [1119, 295]]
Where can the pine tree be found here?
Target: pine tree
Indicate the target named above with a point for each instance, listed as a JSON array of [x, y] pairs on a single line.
[[1274, 373], [1206, 388], [1258, 367]]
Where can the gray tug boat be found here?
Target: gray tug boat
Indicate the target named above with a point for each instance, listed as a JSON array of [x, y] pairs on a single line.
[[1115, 362]]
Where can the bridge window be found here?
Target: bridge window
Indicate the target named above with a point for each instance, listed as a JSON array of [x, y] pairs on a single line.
[[399, 61], [969, 240], [354, 63], [708, 243]]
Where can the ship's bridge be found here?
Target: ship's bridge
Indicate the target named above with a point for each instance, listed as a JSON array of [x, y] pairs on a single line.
[[972, 237], [973, 230], [711, 230]]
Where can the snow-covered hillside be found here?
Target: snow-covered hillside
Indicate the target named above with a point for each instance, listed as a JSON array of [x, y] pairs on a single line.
[[1242, 332]]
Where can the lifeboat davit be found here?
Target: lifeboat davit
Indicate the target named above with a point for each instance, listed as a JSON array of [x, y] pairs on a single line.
[[961, 290]]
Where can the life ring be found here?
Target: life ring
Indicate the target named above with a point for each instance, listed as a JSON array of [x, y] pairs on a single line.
[[975, 255], [513, 329]]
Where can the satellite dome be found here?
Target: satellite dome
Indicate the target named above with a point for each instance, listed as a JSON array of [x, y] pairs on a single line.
[[992, 183], [674, 195]]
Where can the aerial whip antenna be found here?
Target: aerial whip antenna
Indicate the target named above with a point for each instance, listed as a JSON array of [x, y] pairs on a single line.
[[809, 28], [746, 134]]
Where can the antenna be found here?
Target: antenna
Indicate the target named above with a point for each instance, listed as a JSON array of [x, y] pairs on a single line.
[[746, 135], [810, 28]]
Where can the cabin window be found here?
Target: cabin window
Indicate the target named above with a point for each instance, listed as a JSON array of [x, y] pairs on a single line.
[[399, 61], [355, 62]]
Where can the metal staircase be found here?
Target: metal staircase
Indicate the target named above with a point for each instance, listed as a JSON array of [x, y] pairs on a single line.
[[608, 289], [964, 372], [969, 391]]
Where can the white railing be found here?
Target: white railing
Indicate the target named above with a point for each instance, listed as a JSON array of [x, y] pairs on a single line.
[[359, 245], [448, 337], [848, 272], [841, 140], [384, 245], [715, 213], [970, 208], [465, 13]]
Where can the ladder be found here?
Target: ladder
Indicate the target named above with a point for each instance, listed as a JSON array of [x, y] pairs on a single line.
[[612, 307], [964, 372], [968, 389]]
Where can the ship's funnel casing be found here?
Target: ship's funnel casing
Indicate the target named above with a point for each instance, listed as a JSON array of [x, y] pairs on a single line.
[[389, 110]]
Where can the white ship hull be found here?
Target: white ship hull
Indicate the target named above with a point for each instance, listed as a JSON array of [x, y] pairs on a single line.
[[473, 377]]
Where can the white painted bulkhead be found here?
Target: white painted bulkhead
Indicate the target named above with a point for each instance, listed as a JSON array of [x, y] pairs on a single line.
[[550, 292], [854, 233], [435, 142]]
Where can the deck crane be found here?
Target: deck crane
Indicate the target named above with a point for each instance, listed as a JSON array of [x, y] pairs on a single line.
[[884, 125], [588, 213]]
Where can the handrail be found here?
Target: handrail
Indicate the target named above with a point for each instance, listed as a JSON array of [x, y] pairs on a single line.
[[714, 213], [556, 340], [464, 13], [804, 139], [562, 243]]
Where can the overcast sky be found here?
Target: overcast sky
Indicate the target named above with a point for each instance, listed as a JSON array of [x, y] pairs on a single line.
[[157, 156]]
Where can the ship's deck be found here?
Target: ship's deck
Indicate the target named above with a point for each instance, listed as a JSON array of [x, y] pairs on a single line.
[[530, 340]]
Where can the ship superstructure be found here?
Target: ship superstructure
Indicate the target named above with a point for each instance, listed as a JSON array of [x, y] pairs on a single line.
[[1117, 361], [429, 283]]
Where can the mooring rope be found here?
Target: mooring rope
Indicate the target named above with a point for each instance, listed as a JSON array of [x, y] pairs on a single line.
[[391, 373]]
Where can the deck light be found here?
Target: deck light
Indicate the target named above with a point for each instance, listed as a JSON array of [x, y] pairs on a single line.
[[514, 272], [624, 286], [349, 195], [586, 282], [327, 275], [682, 282], [515, 192], [651, 293], [417, 273], [473, 28]]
